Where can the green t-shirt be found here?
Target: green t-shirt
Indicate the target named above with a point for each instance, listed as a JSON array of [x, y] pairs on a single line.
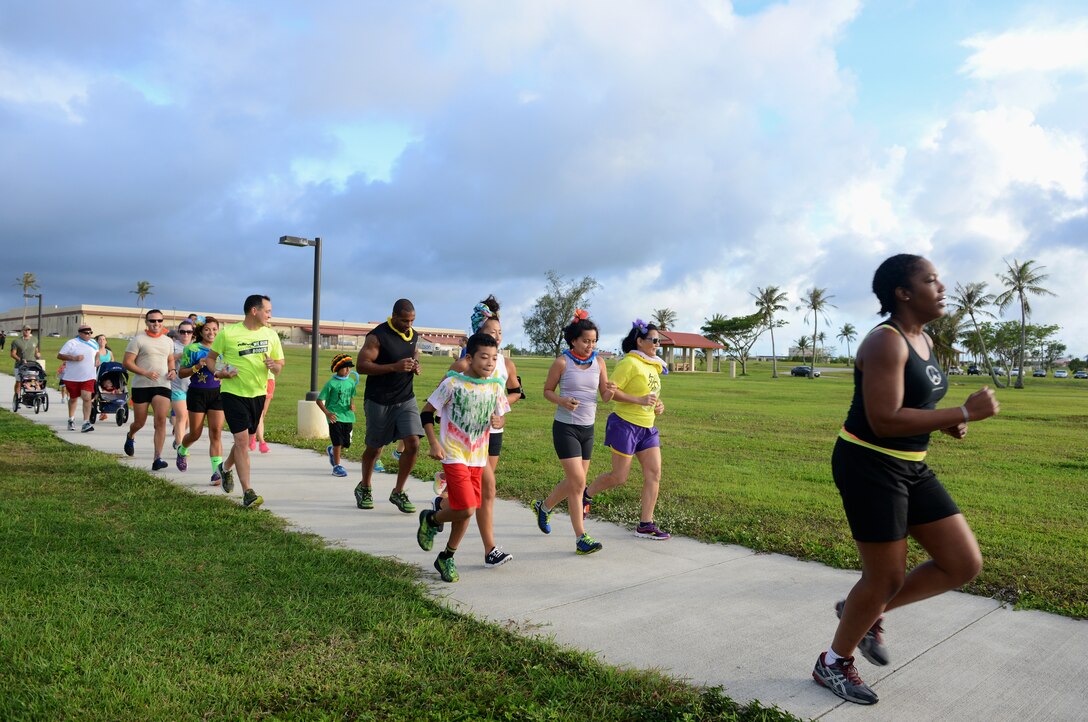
[[24, 348], [338, 394], [246, 351]]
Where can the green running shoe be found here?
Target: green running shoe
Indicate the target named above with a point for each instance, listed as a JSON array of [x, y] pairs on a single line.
[[400, 500], [364, 497], [447, 569], [587, 545], [427, 530], [250, 499]]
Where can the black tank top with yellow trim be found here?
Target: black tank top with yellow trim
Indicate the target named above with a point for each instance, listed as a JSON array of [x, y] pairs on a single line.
[[924, 384]]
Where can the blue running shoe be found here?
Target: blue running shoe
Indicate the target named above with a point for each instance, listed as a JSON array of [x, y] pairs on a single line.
[[543, 518], [587, 545], [339, 471], [379, 466], [130, 446], [328, 450]]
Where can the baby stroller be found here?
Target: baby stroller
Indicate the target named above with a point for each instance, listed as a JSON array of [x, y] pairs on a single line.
[[31, 378], [113, 400]]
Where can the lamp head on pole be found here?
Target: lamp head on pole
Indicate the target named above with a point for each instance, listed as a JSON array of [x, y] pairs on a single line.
[[296, 241]]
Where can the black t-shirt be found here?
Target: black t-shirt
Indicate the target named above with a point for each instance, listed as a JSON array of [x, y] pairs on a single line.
[[924, 384], [396, 387]]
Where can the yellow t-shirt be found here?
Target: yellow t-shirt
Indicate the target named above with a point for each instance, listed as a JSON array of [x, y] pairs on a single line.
[[246, 351], [636, 377]]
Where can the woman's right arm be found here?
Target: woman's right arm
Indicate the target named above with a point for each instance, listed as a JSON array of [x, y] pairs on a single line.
[[555, 373]]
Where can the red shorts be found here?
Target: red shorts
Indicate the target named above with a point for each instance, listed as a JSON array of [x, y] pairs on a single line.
[[463, 485], [270, 390], [77, 387]]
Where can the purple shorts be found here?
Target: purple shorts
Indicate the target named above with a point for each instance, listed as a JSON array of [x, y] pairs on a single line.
[[627, 439]]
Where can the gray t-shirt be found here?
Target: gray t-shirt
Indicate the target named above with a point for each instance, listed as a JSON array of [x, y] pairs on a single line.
[[152, 354], [24, 348]]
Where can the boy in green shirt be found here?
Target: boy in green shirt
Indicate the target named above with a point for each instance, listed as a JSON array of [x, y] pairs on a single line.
[[337, 402]]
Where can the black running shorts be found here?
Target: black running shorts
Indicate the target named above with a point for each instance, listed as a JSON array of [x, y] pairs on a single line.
[[201, 401], [884, 496], [145, 394], [242, 413], [572, 441], [340, 433]]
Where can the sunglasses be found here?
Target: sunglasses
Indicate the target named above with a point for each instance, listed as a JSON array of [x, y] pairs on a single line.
[[185, 333], [155, 320], [654, 341], [85, 330]]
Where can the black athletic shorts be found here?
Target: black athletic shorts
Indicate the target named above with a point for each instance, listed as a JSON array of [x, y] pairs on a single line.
[[884, 496], [242, 413], [494, 443], [340, 433], [572, 441], [201, 401], [145, 394]]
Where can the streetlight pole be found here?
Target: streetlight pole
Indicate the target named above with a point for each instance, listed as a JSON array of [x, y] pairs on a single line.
[[315, 333], [39, 297]]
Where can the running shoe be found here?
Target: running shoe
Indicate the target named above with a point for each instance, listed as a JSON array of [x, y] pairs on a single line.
[[253, 443], [651, 531], [263, 447], [339, 471], [182, 462], [379, 466], [543, 518], [447, 569], [842, 679], [227, 477], [871, 645], [439, 485], [364, 497], [130, 446], [332, 460], [87, 426], [437, 504], [158, 464], [587, 545], [174, 444], [427, 529], [250, 499], [400, 500], [586, 503], [71, 424], [496, 558], [396, 455], [216, 479]]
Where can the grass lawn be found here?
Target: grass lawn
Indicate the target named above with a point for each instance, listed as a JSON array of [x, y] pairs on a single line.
[[747, 461], [124, 597]]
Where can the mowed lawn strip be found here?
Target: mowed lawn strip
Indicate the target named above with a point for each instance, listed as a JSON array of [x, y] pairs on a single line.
[[746, 460], [125, 597]]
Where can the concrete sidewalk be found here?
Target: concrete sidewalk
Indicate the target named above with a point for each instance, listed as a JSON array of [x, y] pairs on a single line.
[[710, 614]]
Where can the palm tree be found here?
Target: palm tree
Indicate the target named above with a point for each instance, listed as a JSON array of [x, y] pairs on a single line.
[[1021, 280], [821, 337], [664, 319], [848, 334], [972, 299], [28, 282], [816, 302], [143, 290], [769, 300], [802, 346], [945, 332]]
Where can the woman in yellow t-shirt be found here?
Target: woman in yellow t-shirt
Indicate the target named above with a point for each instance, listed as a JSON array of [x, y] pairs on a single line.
[[630, 430]]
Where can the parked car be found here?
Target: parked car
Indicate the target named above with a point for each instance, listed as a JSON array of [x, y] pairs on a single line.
[[999, 371], [1082, 374], [55, 334], [804, 371], [955, 371], [974, 370], [1061, 374], [1039, 373]]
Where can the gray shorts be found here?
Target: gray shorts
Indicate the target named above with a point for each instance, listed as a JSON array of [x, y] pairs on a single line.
[[386, 424]]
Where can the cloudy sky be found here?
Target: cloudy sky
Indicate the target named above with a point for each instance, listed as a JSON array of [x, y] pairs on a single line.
[[683, 153]]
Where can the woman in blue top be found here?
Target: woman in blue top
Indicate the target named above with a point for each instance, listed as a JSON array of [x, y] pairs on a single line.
[[887, 490], [202, 399]]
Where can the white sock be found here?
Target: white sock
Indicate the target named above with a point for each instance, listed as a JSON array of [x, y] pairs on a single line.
[[831, 656]]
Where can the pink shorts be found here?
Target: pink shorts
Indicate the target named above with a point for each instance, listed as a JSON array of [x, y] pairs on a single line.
[[270, 390], [463, 485], [75, 388]]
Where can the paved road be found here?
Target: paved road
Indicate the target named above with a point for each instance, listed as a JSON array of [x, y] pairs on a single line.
[[711, 614]]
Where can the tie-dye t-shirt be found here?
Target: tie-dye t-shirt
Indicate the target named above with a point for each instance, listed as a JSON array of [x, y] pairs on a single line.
[[465, 405]]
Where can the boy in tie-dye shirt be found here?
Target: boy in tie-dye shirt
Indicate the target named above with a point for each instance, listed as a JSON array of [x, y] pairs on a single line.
[[466, 405]]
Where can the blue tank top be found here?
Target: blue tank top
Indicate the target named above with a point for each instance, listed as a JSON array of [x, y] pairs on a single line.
[[924, 384]]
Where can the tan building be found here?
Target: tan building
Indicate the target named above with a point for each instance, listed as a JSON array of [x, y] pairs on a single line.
[[123, 322]]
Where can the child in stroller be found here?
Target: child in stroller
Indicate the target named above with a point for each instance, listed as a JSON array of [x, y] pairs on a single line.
[[31, 378], [111, 392]]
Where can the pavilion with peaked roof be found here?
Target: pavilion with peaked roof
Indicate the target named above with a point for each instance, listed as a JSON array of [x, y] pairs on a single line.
[[687, 344]]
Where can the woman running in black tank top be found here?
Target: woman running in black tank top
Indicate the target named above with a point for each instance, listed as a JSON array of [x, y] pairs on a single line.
[[887, 490]]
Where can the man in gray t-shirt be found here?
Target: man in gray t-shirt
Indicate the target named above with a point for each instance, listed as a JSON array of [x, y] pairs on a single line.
[[150, 359], [24, 348]]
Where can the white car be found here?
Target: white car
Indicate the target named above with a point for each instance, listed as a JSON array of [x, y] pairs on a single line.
[[1061, 374]]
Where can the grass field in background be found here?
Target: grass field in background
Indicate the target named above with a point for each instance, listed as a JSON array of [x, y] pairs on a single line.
[[126, 597], [747, 461]]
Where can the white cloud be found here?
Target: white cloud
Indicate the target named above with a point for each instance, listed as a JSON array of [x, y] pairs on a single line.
[[1029, 50]]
